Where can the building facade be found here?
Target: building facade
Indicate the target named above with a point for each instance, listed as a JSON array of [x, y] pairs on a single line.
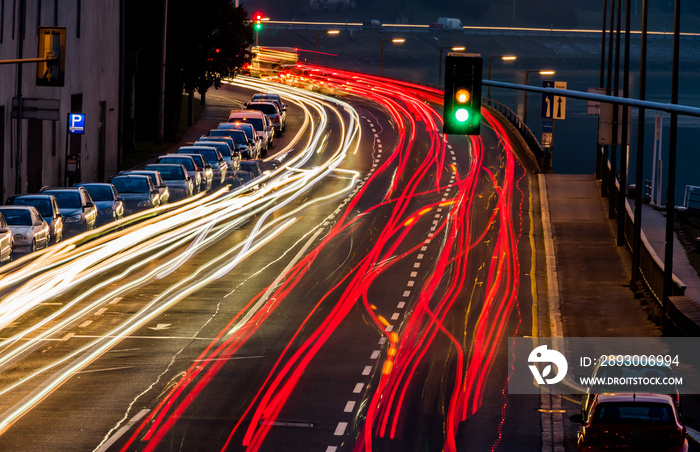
[[40, 150]]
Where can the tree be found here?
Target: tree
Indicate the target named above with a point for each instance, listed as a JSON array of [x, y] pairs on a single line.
[[207, 42]]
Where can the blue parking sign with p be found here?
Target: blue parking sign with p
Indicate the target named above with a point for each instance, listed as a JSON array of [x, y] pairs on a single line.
[[76, 123]]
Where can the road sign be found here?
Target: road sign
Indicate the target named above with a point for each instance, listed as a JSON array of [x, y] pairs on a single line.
[[76, 123], [547, 127], [547, 100], [559, 111]]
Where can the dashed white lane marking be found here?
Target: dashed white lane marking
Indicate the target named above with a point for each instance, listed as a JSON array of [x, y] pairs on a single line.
[[407, 293], [125, 428], [395, 316], [340, 429], [349, 406], [67, 336], [411, 283], [401, 304], [424, 248], [416, 265], [100, 312], [420, 256], [358, 388], [85, 323], [116, 300], [375, 354], [414, 274], [389, 329], [382, 340], [331, 448], [367, 370]]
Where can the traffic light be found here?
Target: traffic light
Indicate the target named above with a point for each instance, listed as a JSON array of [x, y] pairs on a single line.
[[462, 106], [257, 21], [52, 44]]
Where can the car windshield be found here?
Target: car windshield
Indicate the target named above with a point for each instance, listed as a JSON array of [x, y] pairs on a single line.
[[67, 199], [168, 172], [100, 192], [42, 205], [152, 177], [130, 184], [188, 163], [636, 413], [209, 155], [17, 217]]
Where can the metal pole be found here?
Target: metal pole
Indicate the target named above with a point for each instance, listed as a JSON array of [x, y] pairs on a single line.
[[639, 177], [440, 69], [527, 75], [20, 113], [615, 125], [489, 90], [318, 35], [671, 187], [381, 55], [605, 185], [624, 151], [599, 157]]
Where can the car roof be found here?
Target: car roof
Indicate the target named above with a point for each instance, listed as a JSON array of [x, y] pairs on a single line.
[[138, 176], [173, 156], [194, 148], [634, 397], [139, 172], [32, 195], [45, 189], [12, 207]]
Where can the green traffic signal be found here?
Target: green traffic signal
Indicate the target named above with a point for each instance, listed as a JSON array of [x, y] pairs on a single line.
[[258, 26], [462, 100]]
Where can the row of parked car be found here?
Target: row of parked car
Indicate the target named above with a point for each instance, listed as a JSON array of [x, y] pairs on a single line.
[[227, 155]]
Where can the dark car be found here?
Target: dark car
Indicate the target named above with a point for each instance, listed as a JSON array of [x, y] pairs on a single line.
[[196, 173], [248, 146], [270, 96], [47, 207], [213, 159], [176, 178], [231, 158], [110, 206], [631, 421], [277, 117], [158, 182], [138, 192], [78, 210], [252, 166]]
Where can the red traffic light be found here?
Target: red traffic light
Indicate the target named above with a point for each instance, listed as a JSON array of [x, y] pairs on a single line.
[[258, 16]]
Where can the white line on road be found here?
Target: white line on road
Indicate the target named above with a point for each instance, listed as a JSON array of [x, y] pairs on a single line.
[[358, 388], [349, 406], [340, 429], [123, 430]]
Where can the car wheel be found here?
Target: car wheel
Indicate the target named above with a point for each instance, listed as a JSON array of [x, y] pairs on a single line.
[[33, 246]]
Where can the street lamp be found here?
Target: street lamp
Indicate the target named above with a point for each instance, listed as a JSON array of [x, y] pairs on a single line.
[[381, 50], [454, 49], [502, 57], [527, 75], [318, 35]]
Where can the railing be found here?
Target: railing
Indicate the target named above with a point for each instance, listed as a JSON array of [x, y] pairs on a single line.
[[540, 155], [691, 197], [651, 267]]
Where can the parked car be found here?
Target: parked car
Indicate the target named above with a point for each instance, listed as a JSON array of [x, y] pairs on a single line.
[[261, 123], [233, 130], [277, 116], [252, 166], [78, 210], [631, 421], [231, 158], [158, 182], [195, 173], [6, 241], [270, 96], [225, 139], [212, 157], [48, 208], [180, 185], [245, 176], [110, 206], [29, 230], [206, 170], [138, 192]]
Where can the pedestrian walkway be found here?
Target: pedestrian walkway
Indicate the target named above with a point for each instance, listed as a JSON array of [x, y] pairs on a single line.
[[654, 228], [593, 273]]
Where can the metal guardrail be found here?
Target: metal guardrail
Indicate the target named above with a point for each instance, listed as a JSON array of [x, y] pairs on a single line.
[[541, 156], [691, 197], [651, 267]]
